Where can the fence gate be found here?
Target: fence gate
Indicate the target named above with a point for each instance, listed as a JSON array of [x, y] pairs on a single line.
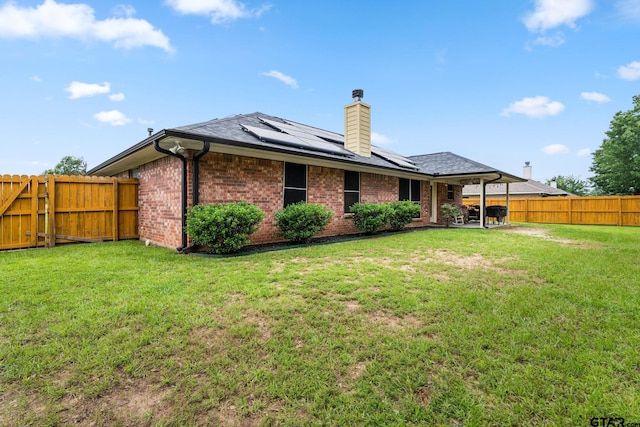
[[42, 211], [18, 211]]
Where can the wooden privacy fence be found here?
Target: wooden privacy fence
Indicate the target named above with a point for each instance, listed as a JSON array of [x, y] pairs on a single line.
[[46, 210], [600, 210]]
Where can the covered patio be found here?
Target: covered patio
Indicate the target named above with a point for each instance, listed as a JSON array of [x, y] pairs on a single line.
[[455, 170]]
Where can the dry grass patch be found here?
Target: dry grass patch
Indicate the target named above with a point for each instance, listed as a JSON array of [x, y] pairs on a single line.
[[541, 233], [133, 402], [395, 322], [345, 381]]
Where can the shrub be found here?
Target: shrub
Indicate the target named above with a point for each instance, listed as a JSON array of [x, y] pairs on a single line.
[[301, 221], [449, 212], [402, 213], [370, 217], [223, 227]]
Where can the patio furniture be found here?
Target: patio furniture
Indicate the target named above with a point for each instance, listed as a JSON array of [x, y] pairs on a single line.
[[497, 212]]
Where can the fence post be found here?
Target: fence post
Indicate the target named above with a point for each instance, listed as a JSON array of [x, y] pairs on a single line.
[[116, 211], [570, 210], [619, 211], [50, 210], [34, 211]]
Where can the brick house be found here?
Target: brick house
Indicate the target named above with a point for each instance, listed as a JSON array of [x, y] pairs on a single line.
[[272, 162]]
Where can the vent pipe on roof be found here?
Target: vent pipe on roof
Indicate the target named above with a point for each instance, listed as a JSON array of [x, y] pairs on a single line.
[[526, 172], [357, 125]]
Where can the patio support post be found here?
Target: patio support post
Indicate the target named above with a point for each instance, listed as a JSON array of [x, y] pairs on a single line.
[[482, 203], [508, 218]]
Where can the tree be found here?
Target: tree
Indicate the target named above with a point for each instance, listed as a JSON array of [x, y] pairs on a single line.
[[69, 165], [616, 164], [571, 184]]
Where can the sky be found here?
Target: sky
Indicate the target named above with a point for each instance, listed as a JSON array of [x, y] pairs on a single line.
[[500, 82]]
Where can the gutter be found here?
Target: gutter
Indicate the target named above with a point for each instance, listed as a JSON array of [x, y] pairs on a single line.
[[195, 182], [183, 203], [195, 185]]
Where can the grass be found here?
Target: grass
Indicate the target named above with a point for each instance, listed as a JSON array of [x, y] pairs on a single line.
[[534, 325]]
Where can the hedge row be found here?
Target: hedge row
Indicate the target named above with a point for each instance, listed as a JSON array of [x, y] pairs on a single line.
[[226, 227], [372, 217]]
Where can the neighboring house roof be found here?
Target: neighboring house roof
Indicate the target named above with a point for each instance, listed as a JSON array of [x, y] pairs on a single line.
[[264, 136], [528, 188]]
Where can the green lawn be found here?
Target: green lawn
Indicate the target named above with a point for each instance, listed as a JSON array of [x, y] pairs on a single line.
[[533, 325]]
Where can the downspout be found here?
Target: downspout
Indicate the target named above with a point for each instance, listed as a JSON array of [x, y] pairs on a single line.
[[195, 184], [484, 198], [156, 145]]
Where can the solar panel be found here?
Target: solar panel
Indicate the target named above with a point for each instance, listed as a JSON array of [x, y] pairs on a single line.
[[274, 136], [385, 154], [300, 141], [309, 138], [303, 136], [393, 157], [320, 133]]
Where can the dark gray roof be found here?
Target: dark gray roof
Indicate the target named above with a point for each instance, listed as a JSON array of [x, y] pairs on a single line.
[[229, 129], [447, 163], [530, 188], [229, 132]]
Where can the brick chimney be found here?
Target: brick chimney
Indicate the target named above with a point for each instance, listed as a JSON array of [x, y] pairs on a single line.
[[526, 172], [357, 125]]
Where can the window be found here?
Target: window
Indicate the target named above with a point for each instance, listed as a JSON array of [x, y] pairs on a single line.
[[450, 192], [409, 189], [295, 183], [351, 189]]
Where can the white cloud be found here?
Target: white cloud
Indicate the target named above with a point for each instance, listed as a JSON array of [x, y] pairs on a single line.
[[553, 41], [555, 149], [117, 97], [629, 9], [554, 13], [379, 139], [51, 19], [630, 71], [595, 97], [114, 118], [124, 10], [218, 10], [288, 80], [539, 106], [81, 90], [35, 79], [584, 152]]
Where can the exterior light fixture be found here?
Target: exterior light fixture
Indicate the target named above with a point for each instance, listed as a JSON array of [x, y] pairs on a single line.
[[177, 149]]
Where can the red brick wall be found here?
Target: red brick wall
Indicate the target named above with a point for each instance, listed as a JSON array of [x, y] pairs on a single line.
[[227, 178], [159, 217], [426, 202], [443, 197]]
